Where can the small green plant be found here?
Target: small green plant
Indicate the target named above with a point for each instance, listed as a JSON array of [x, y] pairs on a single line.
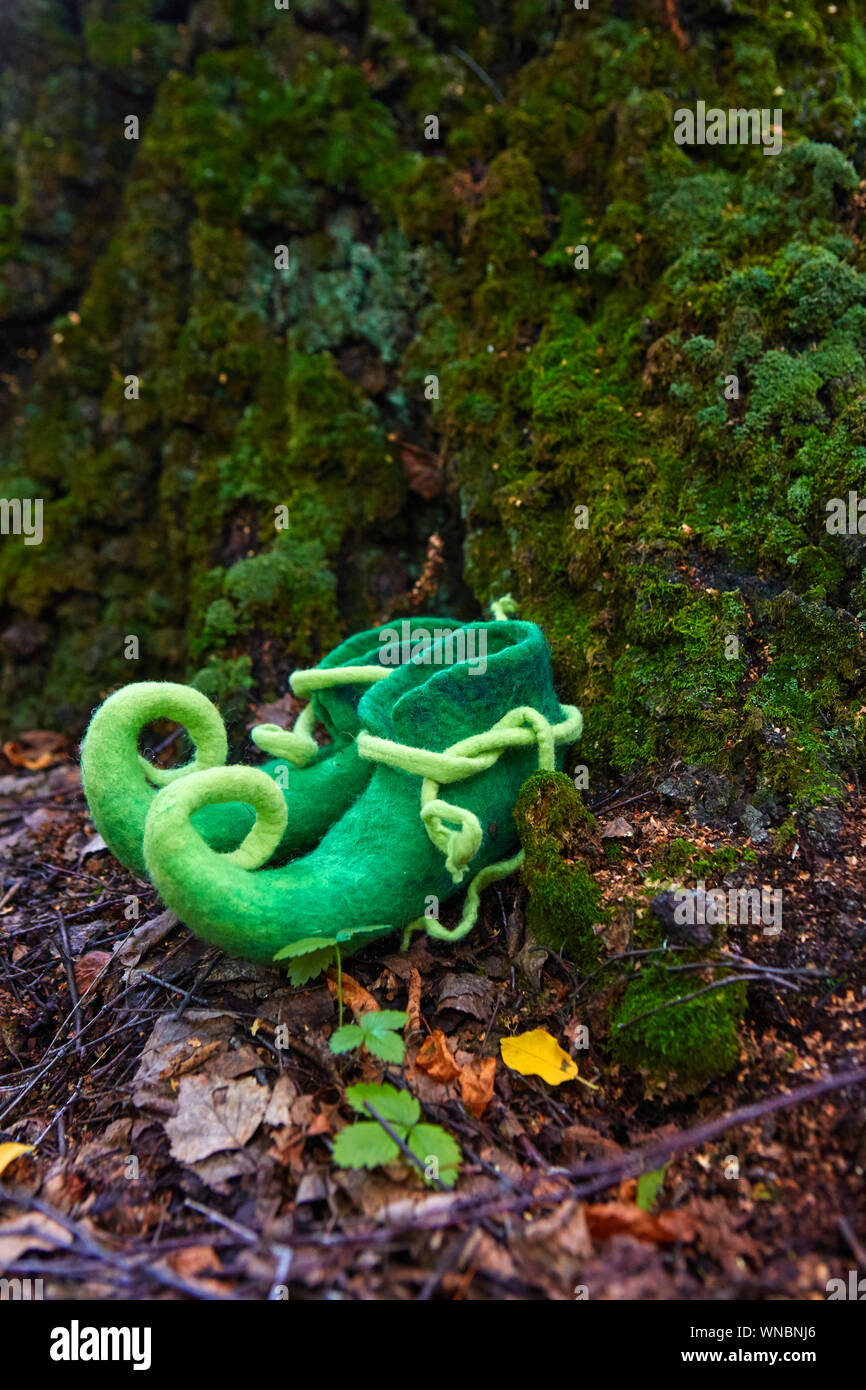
[[310, 956], [377, 1032], [368, 1144], [648, 1187]]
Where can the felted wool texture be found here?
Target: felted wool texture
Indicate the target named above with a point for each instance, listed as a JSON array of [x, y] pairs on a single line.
[[119, 789], [376, 866], [118, 792]]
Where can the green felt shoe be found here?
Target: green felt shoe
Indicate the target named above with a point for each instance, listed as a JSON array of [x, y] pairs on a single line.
[[318, 783], [478, 731]]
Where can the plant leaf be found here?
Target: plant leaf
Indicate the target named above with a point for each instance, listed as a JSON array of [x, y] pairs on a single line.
[[347, 1038], [301, 948], [476, 1082], [389, 1046], [648, 1185], [436, 1058], [364, 1145], [308, 957], [433, 1142], [9, 1152], [307, 967], [383, 1020], [399, 1108], [536, 1053], [350, 933]]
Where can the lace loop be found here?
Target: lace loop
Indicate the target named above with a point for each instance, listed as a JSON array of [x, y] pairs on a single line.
[[519, 728], [297, 745]]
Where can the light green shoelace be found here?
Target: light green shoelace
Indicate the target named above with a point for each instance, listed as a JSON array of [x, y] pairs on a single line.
[[297, 745], [519, 728]]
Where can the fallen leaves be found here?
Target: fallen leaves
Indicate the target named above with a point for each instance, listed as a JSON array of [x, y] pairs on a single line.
[[214, 1117], [436, 1058], [194, 1263], [476, 1083], [10, 1152], [219, 1074], [536, 1053], [423, 469], [143, 938], [89, 968], [358, 999], [475, 1076], [177, 1047], [606, 1219], [37, 749], [617, 829]]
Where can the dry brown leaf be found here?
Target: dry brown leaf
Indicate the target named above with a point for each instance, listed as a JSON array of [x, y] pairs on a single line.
[[195, 1261], [617, 829], [616, 933], [287, 1147], [320, 1124], [285, 1092], [283, 712], [30, 1231], [413, 1006], [215, 1116], [606, 1219], [476, 1084], [436, 1058], [359, 999], [144, 937], [36, 750], [89, 967], [422, 468], [179, 1046]]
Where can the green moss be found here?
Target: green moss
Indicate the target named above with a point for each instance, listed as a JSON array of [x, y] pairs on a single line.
[[681, 857], [559, 388], [564, 902], [684, 1044], [784, 835]]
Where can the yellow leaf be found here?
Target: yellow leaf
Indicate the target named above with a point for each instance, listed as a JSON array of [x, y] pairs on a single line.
[[538, 1054], [9, 1153]]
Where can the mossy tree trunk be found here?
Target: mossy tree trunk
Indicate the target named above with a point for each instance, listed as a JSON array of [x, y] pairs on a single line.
[[640, 440]]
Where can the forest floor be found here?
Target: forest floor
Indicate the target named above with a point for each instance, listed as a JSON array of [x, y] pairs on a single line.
[[178, 1152]]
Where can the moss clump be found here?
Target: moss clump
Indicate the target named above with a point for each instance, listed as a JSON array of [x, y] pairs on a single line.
[[688, 1044], [555, 830], [681, 856]]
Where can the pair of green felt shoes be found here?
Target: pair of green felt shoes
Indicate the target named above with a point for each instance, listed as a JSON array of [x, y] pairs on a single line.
[[357, 836]]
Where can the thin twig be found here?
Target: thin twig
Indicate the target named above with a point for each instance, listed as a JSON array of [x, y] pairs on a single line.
[[479, 72], [857, 1248], [66, 957], [98, 1252]]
